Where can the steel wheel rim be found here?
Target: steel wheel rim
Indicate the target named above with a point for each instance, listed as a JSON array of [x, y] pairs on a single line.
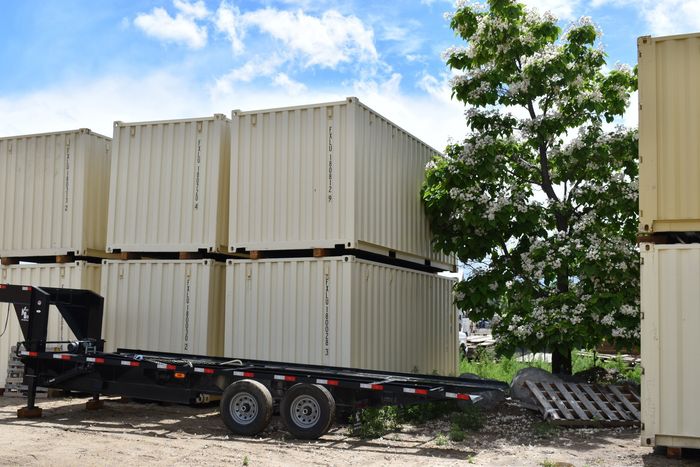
[[305, 411], [243, 408]]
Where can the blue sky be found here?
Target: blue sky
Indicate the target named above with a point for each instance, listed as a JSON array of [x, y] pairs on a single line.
[[79, 63]]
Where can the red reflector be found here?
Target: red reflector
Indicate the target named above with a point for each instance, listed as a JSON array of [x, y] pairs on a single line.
[[464, 397], [169, 367], [134, 363], [65, 357], [377, 387], [422, 392], [247, 374], [333, 382], [208, 371], [290, 378], [3, 286], [33, 354], [99, 360]]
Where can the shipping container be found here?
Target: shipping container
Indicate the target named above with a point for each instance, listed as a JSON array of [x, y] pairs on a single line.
[[327, 175], [669, 140], [54, 191], [670, 305], [166, 306], [169, 188], [76, 275], [341, 311]]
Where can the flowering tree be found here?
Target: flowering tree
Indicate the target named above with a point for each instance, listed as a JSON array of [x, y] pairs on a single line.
[[540, 199]]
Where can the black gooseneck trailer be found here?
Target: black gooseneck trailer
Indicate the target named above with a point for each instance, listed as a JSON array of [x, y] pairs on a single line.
[[306, 395]]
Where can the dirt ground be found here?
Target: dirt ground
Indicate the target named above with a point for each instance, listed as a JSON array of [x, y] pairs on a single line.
[[152, 434]]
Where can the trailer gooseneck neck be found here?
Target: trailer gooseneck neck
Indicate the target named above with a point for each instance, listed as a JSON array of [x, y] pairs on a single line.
[[307, 395]]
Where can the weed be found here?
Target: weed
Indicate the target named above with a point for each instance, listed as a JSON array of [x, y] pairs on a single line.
[[548, 463], [376, 422], [441, 440], [421, 413], [245, 460], [456, 434]]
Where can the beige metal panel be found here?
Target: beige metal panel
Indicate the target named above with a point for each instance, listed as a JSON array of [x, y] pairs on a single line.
[[169, 188], [54, 188], [669, 140], [328, 174], [79, 275], [340, 311], [670, 301], [167, 306]]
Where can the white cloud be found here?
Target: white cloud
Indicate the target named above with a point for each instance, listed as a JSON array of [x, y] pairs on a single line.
[[663, 17], [285, 82], [96, 103], [197, 10], [182, 28], [562, 9], [227, 20], [325, 41]]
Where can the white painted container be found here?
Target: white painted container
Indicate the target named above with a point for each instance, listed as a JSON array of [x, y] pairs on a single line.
[[669, 140], [77, 275], [330, 174], [54, 190], [670, 305], [341, 311], [167, 306], [169, 188]]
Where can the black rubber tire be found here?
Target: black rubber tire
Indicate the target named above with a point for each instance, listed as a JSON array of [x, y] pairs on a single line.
[[248, 393], [315, 396]]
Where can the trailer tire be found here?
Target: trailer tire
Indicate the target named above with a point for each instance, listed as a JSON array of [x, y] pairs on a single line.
[[246, 407], [308, 410]]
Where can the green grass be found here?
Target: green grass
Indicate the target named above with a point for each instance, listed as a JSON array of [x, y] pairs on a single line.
[[488, 366]]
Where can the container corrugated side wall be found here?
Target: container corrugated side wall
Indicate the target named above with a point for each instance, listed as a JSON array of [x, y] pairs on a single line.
[[321, 175], [389, 172], [340, 312], [167, 306], [54, 188], [80, 275], [169, 187], [669, 140], [670, 305]]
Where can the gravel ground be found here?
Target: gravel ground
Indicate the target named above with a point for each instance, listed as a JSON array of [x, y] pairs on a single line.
[[153, 434]]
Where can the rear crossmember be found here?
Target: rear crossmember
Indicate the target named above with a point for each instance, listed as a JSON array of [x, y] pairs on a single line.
[[307, 395]]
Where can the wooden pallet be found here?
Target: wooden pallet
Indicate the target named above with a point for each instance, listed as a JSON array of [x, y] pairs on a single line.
[[575, 404]]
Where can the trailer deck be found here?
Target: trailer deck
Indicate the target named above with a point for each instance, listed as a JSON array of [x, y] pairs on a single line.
[[306, 395]]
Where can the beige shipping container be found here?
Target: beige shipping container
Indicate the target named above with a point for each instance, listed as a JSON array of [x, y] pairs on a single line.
[[54, 191], [167, 306], [669, 133], [329, 174], [341, 311], [77, 275], [670, 305], [169, 187]]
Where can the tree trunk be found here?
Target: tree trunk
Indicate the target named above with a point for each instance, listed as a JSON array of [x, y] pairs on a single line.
[[561, 361]]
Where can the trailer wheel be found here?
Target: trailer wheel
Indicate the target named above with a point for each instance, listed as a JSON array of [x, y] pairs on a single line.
[[308, 410], [246, 407]]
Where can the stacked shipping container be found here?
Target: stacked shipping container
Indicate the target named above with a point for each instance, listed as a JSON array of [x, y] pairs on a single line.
[[669, 197], [335, 176], [339, 177], [54, 188], [169, 194]]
